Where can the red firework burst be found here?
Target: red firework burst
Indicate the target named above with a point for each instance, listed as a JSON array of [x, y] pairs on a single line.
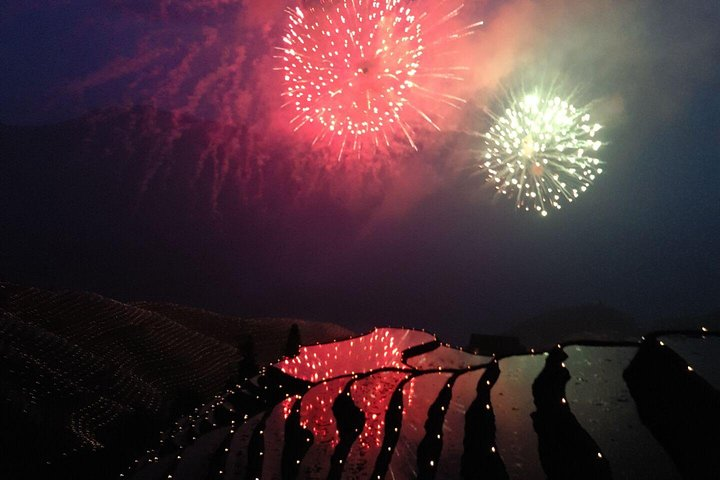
[[353, 69]]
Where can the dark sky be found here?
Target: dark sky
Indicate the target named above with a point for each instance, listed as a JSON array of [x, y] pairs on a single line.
[[154, 162]]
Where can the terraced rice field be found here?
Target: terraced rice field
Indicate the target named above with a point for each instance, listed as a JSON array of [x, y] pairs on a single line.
[[397, 403]]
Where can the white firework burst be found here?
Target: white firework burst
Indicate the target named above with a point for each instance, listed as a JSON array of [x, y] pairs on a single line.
[[541, 151]]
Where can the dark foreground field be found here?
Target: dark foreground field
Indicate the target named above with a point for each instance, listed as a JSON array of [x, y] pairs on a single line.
[[93, 388], [86, 383]]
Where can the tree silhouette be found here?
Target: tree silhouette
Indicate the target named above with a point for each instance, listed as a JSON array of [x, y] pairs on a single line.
[[247, 366], [292, 347]]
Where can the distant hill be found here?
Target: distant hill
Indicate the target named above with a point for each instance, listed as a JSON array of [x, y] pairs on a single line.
[[96, 201], [139, 203], [589, 322], [268, 334], [80, 372], [710, 320]]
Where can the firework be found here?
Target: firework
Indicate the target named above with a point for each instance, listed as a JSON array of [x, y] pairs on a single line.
[[356, 72], [541, 150]]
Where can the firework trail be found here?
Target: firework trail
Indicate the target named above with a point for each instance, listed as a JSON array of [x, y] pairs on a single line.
[[541, 150], [360, 72]]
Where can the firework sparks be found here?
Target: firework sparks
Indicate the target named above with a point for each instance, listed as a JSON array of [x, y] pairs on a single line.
[[540, 151], [354, 69]]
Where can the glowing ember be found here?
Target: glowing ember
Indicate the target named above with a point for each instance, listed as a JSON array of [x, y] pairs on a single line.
[[354, 68]]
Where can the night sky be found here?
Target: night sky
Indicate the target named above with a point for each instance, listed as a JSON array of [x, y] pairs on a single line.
[[145, 156]]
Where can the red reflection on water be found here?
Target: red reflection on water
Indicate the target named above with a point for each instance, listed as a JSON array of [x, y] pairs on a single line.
[[316, 412], [381, 348]]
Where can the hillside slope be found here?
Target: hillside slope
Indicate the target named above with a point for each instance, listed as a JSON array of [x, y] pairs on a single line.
[[269, 335], [86, 381]]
